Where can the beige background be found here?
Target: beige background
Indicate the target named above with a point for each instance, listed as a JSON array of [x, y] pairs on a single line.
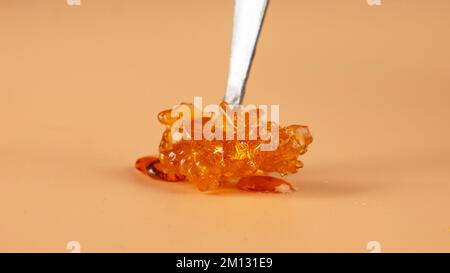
[[80, 88]]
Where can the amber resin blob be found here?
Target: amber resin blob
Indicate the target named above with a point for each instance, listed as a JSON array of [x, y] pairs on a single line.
[[220, 162]]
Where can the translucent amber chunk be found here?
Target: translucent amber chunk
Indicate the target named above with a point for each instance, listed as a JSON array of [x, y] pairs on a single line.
[[211, 164]]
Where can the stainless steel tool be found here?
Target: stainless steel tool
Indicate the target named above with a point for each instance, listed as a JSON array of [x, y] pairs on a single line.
[[247, 23]]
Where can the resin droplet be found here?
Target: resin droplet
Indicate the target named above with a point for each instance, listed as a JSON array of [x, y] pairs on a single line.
[[264, 184], [151, 166]]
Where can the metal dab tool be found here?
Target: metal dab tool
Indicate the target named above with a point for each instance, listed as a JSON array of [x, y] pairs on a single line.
[[247, 23]]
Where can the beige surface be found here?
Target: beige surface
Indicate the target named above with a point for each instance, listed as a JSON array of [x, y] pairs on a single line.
[[80, 88]]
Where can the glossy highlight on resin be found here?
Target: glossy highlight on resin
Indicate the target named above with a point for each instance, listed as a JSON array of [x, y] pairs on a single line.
[[211, 164]]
